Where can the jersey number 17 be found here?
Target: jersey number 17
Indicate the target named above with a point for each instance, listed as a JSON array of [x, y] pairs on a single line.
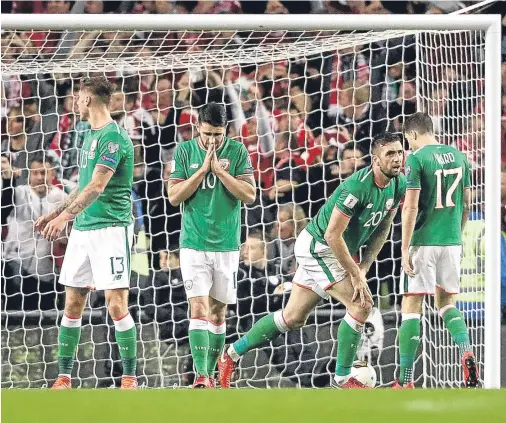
[[440, 175]]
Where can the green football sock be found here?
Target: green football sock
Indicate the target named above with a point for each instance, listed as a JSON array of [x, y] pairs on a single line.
[[126, 338], [216, 342], [456, 325], [409, 340], [68, 339], [262, 332], [348, 339], [199, 345]]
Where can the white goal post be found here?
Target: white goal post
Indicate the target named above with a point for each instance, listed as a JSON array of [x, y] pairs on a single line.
[[316, 34]]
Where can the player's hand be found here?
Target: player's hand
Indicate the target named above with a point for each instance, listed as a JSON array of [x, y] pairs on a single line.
[[361, 289], [42, 221], [407, 264], [215, 165], [54, 228], [206, 166]]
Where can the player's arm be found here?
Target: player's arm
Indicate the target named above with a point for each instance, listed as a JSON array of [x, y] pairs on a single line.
[[376, 241], [467, 207], [99, 180], [334, 237], [409, 215], [243, 185], [179, 189]]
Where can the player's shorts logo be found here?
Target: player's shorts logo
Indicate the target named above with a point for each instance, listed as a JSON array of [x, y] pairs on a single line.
[[112, 147], [188, 284], [224, 163], [389, 203]]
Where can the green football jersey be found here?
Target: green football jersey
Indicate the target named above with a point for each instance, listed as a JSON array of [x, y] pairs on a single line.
[[212, 215], [109, 146], [366, 204], [441, 173]]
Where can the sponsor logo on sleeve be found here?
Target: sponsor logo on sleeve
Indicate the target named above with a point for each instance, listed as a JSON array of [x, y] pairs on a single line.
[[109, 159], [112, 147], [350, 201]]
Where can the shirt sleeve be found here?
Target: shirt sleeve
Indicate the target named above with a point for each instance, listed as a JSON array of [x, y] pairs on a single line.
[[244, 166], [178, 165], [349, 197], [401, 191], [413, 172], [110, 151]]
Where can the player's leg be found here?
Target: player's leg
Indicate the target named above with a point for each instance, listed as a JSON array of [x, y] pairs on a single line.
[[125, 332], [223, 292], [349, 331], [69, 333], [77, 277], [196, 269], [217, 332], [301, 302], [409, 336], [449, 286], [414, 289], [110, 252]]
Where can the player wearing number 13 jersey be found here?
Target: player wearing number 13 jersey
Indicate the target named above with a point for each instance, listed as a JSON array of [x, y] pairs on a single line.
[[435, 212], [359, 213], [211, 175]]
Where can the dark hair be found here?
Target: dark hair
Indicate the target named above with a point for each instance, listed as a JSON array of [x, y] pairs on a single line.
[[213, 114], [420, 123], [384, 139], [42, 158], [100, 87]]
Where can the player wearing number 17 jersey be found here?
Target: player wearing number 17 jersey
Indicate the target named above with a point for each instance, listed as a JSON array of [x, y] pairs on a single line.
[[358, 213], [434, 214]]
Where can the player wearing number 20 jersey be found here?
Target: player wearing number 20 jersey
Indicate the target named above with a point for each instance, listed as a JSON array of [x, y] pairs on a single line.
[[435, 212]]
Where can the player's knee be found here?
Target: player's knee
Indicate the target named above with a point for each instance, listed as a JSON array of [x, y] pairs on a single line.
[[199, 308], [360, 312], [216, 318], [117, 305], [441, 301], [294, 320]]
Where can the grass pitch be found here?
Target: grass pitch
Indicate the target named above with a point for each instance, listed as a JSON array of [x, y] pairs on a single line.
[[253, 406]]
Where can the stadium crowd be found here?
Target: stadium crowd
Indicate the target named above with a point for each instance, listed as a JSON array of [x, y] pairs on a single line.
[[306, 123]]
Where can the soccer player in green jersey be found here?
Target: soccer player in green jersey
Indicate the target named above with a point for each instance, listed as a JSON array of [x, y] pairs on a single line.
[[434, 214], [98, 251], [211, 176], [358, 213]]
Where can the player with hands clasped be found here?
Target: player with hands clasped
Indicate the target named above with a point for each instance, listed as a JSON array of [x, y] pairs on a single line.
[[99, 247], [358, 213], [435, 211], [211, 176]]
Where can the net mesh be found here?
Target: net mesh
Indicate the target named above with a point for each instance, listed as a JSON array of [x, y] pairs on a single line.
[[306, 104]]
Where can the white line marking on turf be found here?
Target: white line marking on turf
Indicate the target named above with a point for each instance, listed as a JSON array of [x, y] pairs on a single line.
[[437, 406]]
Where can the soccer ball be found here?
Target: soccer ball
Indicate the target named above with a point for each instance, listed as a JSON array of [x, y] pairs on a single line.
[[364, 372]]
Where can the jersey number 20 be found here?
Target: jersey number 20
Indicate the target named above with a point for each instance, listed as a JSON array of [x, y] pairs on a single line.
[[440, 174]]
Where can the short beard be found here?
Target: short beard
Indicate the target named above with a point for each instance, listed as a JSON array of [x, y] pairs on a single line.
[[388, 175]]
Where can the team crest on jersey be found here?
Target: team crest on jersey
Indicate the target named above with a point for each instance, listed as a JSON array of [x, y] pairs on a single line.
[[389, 203], [407, 171], [91, 154], [224, 163], [112, 147]]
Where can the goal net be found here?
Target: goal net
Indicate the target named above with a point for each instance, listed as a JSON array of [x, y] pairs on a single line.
[[306, 104]]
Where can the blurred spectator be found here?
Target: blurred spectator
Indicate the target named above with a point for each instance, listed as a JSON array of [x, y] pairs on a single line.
[[19, 145], [290, 221], [30, 267], [94, 7], [256, 282]]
